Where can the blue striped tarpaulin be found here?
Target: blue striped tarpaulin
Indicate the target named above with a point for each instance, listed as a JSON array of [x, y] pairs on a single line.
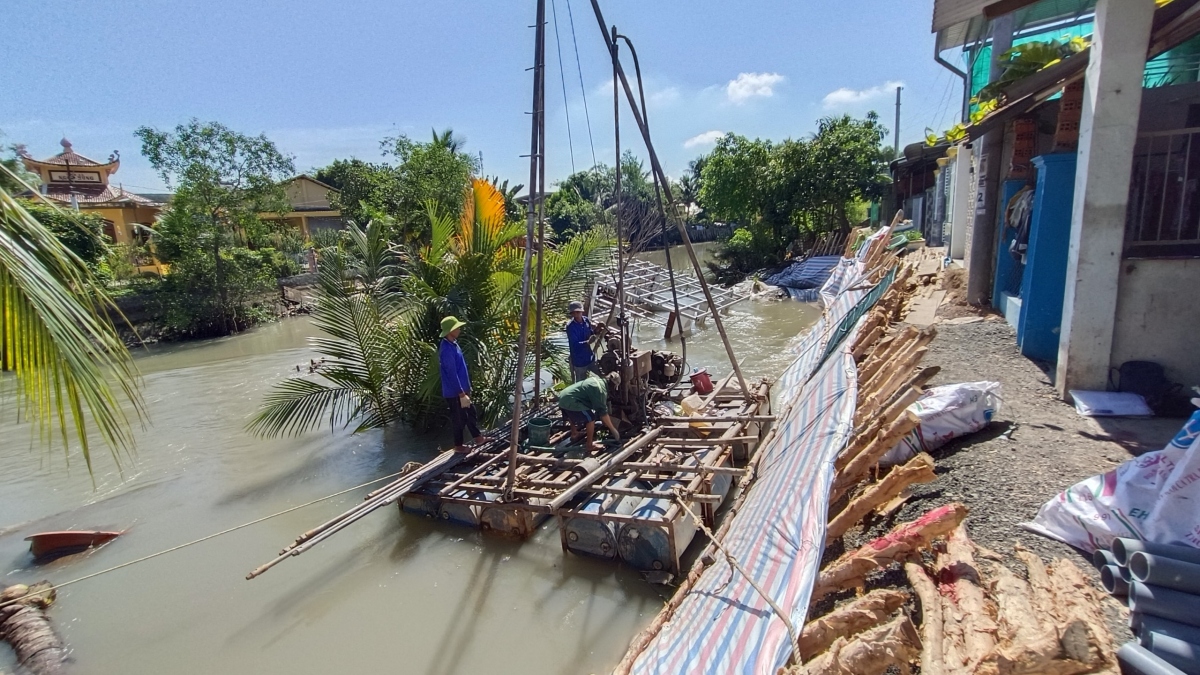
[[723, 625]]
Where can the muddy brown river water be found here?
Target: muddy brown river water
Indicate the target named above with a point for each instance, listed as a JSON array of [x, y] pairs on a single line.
[[390, 594]]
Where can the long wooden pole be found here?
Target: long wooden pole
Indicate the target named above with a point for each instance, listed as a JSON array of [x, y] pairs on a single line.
[[539, 61], [656, 167]]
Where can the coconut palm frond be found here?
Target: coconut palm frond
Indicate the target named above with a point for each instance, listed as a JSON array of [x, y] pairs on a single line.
[[71, 369]]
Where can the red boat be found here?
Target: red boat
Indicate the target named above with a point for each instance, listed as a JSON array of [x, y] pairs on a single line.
[[56, 544]]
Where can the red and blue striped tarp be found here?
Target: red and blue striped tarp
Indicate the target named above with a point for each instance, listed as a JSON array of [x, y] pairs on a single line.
[[724, 625]]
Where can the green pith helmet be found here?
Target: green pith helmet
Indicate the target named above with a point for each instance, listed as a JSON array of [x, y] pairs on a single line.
[[450, 323]]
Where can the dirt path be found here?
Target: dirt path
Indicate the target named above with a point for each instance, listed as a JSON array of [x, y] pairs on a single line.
[[1036, 447]]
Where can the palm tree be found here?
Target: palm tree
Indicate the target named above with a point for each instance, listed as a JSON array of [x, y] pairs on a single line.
[[68, 363], [382, 306]]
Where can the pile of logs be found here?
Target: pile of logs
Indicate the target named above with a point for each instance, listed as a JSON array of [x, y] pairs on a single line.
[[969, 623], [24, 626]]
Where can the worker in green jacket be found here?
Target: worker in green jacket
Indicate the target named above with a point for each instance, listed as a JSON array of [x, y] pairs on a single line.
[[582, 404]]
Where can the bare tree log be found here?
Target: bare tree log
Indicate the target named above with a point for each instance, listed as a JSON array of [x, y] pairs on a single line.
[[23, 625], [971, 612], [896, 410], [932, 662], [1030, 643], [919, 469], [859, 467], [873, 652], [1073, 603], [850, 619], [849, 570]]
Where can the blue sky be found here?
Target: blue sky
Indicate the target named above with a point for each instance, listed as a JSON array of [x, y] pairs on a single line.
[[328, 80]]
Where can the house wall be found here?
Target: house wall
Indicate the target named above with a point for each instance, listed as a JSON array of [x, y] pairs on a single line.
[[1156, 316], [124, 218], [1166, 108], [305, 194]]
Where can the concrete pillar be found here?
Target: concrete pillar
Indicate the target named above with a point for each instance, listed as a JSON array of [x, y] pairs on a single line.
[[1112, 99]]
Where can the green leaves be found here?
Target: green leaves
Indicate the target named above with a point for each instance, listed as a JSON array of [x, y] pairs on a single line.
[[71, 371], [380, 308]]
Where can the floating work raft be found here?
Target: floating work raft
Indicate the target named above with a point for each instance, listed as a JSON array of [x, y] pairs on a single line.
[[616, 503], [718, 621]]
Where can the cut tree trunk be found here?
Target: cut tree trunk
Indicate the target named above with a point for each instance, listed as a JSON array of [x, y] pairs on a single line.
[[850, 619], [919, 469], [969, 616], [894, 644], [932, 637], [24, 626], [850, 570]]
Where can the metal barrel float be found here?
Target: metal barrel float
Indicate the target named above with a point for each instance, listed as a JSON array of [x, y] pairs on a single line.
[[656, 543], [598, 538]]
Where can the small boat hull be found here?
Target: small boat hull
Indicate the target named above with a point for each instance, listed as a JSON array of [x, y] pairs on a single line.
[[49, 545]]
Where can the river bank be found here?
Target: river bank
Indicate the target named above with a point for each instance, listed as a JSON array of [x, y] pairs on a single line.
[[449, 598]]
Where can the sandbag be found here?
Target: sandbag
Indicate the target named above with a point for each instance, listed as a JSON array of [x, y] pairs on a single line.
[[1152, 497], [946, 412]]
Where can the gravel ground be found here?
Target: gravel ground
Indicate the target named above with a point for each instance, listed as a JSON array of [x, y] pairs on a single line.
[[1036, 447]]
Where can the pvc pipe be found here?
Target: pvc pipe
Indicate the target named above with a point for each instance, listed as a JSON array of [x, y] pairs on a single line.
[[1179, 653], [1110, 577], [1123, 548], [1165, 572], [1164, 603], [1103, 557], [1160, 626], [1137, 660]]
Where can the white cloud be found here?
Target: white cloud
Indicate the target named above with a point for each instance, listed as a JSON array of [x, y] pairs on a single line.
[[846, 97], [752, 85], [705, 139]]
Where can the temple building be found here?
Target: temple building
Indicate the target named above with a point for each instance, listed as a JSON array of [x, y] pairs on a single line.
[[75, 181]]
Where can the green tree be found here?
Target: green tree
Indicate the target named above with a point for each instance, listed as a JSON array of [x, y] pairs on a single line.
[[735, 178], [438, 171], [223, 181], [70, 370], [381, 307], [81, 232], [845, 165]]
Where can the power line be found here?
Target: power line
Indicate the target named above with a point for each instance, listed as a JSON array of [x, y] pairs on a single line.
[[563, 76], [582, 89]]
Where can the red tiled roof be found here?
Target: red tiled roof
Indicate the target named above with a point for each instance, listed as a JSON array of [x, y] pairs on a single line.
[[110, 195], [73, 158]]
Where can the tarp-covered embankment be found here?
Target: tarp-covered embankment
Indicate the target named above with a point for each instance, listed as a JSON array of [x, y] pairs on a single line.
[[719, 622]]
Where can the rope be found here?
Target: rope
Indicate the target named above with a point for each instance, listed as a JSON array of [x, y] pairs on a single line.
[[195, 541], [677, 493], [582, 89], [562, 73]]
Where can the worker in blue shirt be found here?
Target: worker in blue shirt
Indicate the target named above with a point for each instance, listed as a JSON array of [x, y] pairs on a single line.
[[456, 384], [579, 335]]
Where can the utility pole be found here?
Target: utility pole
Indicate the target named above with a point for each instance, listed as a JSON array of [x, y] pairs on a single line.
[[536, 155], [896, 132]]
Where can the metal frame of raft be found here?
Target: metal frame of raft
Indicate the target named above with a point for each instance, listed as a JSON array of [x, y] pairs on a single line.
[[647, 288], [613, 503]]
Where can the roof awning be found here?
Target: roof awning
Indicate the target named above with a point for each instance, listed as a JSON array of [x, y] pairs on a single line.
[[1173, 24], [962, 22]]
